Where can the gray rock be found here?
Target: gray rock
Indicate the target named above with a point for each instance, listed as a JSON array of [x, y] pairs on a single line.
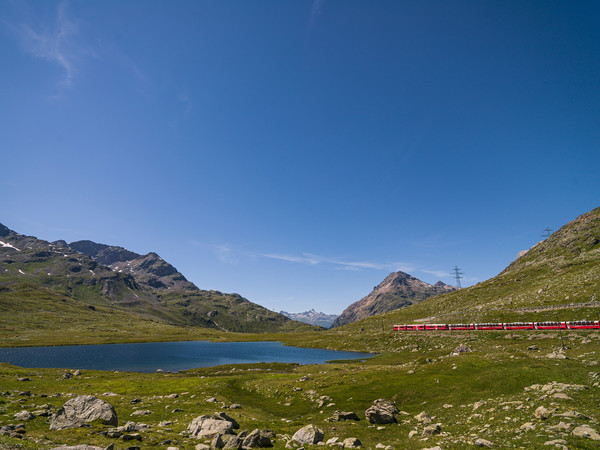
[[24, 415], [462, 348], [309, 434], [81, 410], [423, 418], [344, 415], [556, 442], [587, 432], [206, 427], [224, 416], [352, 443], [382, 411], [232, 442], [527, 426], [430, 430], [256, 438], [483, 443], [542, 413]]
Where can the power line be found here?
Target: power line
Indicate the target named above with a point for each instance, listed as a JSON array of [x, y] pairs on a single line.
[[547, 232], [457, 274]]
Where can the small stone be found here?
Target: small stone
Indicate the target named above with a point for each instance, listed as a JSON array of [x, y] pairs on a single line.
[[24, 415], [430, 430], [423, 418], [556, 442], [412, 433], [542, 413], [352, 443], [483, 443], [527, 426]]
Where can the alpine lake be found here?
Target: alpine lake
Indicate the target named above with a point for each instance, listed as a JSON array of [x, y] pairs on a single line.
[[168, 356]]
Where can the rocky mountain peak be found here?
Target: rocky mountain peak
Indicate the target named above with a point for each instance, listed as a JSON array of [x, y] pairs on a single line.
[[4, 231], [396, 291]]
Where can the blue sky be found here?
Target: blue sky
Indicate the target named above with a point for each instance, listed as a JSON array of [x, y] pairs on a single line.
[[297, 152]]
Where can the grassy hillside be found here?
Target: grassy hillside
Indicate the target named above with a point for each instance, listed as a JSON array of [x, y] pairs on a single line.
[[559, 277]]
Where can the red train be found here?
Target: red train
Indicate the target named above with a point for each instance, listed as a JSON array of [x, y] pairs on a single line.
[[576, 325]]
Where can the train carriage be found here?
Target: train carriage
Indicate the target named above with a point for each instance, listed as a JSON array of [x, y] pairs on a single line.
[[574, 325], [550, 325], [583, 325], [461, 326], [519, 326], [488, 326]]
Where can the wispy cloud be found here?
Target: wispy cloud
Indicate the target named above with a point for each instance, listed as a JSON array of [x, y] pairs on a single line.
[[225, 254], [436, 273], [311, 259], [315, 12], [55, 38], [53, 42]]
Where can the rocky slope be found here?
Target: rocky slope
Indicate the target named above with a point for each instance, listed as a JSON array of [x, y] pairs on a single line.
[[91, 275], [398, 290], [312, 317]]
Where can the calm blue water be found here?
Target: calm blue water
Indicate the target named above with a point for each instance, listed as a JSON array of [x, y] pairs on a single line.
[[173, 356]]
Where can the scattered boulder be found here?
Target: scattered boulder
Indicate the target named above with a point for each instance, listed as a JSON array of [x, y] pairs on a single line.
[[310, 434], [542, 413], [344, 415], [352, 443], [381, 412], [23, 379], [423, 418], [24, 415], [556, 355], [528, 426], [483, 443], [257, 438], [556, 442], [430, 430], [206, 427], [141, 412], [587, 432], [462, 348], [12, 430], [81, 410]]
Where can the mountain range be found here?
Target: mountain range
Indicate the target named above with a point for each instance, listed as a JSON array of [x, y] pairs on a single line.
[[96, 275], [312, 317]]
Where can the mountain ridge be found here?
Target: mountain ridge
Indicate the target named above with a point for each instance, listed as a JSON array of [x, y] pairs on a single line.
[[397, 290], [312, 317], [143, 285], [556, 279]]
